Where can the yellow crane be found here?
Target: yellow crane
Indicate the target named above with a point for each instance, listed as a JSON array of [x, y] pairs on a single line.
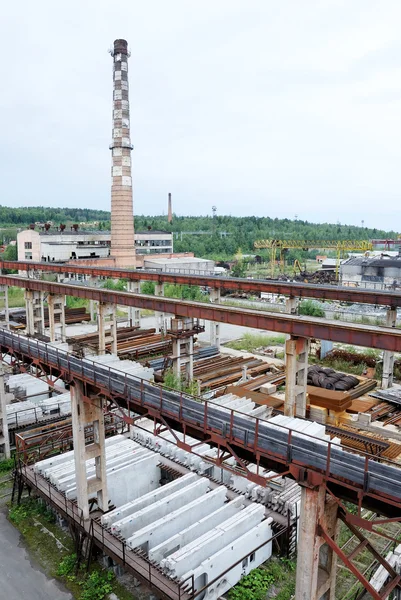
[[340, 246]]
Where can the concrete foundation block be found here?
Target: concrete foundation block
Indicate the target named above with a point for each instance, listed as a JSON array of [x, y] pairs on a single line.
[[268, 389]]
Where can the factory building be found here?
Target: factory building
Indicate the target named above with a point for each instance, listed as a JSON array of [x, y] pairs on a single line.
[[61, 245], [378, 272]]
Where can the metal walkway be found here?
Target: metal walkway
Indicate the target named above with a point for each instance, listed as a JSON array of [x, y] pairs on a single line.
[[375, 483]]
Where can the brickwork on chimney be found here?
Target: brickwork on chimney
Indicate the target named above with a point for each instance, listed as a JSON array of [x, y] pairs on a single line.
[[122, 219]]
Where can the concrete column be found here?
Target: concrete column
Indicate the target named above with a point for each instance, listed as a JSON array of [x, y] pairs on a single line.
[[177, 357], [105, 309], [215, 296], [30, 326], [4, 291], [62, 319], [189, 365], [55, 303], [35, 318], [84, 413], [159, 316], [316, 562], [52, 321], [4, 439], [134, 314], [291, 305], [92, 304], [78, 435], [297, 350], [388, 357]]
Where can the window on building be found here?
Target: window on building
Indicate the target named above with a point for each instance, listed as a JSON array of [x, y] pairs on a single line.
[[28, 255], [28, 246]]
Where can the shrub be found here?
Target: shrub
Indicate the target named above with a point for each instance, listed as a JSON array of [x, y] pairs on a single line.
[[310, 308]]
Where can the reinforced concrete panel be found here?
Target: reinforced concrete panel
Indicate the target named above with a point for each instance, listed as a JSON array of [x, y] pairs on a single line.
[[162, 529]]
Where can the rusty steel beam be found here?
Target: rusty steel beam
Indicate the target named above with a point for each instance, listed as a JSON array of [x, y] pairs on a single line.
[[385, 338], [232, 284]]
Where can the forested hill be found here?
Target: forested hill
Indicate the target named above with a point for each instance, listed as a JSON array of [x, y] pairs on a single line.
[[228, 233], [32, 214], [224, 234]]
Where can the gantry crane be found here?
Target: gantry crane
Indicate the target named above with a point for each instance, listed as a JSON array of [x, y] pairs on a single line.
[[340, 246]]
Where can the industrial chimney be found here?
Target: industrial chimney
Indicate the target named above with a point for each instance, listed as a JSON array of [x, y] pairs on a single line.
[[122, 218], [170, 210]]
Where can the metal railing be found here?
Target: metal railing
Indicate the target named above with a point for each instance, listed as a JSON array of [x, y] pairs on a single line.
[[252, 434]]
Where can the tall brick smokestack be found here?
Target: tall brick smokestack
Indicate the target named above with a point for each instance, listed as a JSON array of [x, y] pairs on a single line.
[[122, 219], [170, 210]]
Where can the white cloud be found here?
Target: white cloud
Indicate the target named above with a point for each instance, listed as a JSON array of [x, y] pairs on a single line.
[[255, 106]]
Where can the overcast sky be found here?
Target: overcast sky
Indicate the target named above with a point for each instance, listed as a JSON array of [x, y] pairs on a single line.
[[259, 107]]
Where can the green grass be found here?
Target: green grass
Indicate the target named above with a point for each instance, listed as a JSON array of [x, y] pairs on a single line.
[[75, 302], [53, 549], [15, 297], [249, 342], [277, 573], [6, 465]]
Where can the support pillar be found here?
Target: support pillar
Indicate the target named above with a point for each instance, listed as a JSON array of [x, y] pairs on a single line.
[[160, 316], [106, 309], [4, 439], [85, 413], [56, 306], [92, 310], [4, 292], [189, 365], [388, 357], [291, 305], [134, 314], [35, 319], [296, 350], [215, 327], [316, 561]]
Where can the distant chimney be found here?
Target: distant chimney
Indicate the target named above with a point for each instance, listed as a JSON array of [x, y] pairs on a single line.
[[170, 210]]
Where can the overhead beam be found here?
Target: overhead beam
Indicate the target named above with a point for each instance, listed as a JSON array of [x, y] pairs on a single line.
[[232, 284], [368, 336]]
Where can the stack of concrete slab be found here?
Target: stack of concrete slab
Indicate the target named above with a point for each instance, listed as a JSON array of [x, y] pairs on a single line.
[[23, 385], [127, 366], [26, 412], [190, 530], [279, 494], [304, 429], [131, 470], [245, 405]]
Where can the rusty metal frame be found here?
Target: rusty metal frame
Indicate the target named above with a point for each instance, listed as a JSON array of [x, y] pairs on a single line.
[[302, 472], [395, 581], [370, 336], [302, 290]]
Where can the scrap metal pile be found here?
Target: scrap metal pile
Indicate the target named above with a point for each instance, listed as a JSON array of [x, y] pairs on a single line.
[[330, 379]]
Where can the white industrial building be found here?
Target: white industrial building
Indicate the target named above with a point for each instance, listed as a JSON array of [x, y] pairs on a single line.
[[382, 271], [184, 265], [62, 245]]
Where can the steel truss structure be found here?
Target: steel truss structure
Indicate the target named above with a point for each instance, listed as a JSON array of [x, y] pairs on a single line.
[[386, 338], [231, 284]]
